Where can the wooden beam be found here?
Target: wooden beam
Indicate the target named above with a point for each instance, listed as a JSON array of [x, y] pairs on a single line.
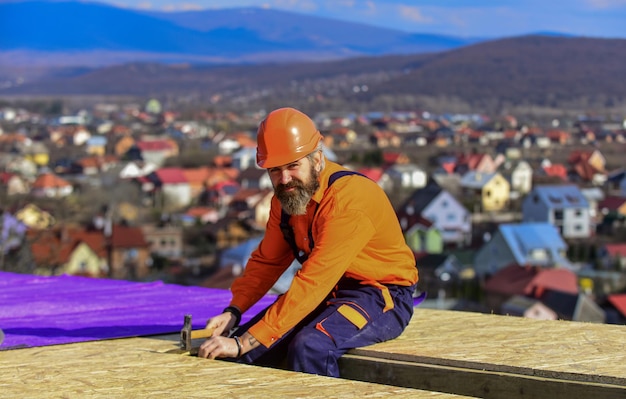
[[471, 382]]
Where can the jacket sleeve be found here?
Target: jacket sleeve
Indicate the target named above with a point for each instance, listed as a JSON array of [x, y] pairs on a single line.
[[265, 266], [339, 236]]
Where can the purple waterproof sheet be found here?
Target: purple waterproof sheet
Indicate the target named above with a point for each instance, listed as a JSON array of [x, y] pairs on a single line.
[[41, 311]]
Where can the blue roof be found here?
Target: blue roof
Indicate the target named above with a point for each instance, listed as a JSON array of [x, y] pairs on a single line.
[[473, 179], [562, 196], [523, 238]]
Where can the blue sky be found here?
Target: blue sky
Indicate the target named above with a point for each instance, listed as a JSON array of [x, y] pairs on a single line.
[[466, 18]]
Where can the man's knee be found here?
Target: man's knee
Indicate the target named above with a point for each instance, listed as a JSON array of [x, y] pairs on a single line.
[[310, 341]]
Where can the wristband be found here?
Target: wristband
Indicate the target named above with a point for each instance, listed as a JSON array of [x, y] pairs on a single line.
[[238, 346], [235, 312]]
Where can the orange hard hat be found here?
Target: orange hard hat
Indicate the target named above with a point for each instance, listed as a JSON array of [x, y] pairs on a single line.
[[285, 136]]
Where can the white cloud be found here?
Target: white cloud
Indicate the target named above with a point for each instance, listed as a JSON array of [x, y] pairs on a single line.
[[414, 14]]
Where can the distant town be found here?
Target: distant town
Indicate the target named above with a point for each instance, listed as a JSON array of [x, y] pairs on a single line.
[[505, 214]]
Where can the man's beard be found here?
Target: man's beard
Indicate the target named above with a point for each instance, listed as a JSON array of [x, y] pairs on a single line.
[[295, 202]]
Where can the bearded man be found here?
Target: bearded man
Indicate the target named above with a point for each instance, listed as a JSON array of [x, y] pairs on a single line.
[[358, 276]]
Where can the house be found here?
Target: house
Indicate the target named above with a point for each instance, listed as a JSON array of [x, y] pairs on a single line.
[[124, 144], [34, 217], [228, 232], [442, 209], [156, 150], [169, 187], [573, 307], [68, 250], [563, 206], [15, 163], [551, 172], [199, 214], [197, 178], [439, 274], [254, 178], [588, 166], [594, 195], [165, 241], [612, 256], [422, 236], [616, 182], [385, 139], [36, 152], [244, 203], [491, 191], [129, 252], [406, 176], [531, 308], [12, 232], [477, 162], [528, 281], [94, 165], [618, 301], [244, 158], [262, 210], [135, 169], [613, 207], [378, 175], [236, 258], [96, 145], [14, 184], [50, 185], [533, 244], [520, 177]]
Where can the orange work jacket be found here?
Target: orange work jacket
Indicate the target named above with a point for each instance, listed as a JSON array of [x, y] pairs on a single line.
[[356, 234]]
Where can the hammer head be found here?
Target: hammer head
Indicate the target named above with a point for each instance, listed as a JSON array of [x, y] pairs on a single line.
[[185, 334]]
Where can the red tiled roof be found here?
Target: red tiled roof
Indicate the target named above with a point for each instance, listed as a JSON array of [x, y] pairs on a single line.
[[527, 280], [373, 173], [556, 170], [612, 203], [619, 301], [155, 145], [171, 175], [49, 180], [53, 247], [616, 249], [561, 280], [127, 237]]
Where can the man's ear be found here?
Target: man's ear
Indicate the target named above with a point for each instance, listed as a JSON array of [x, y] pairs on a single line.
[[318, 160]]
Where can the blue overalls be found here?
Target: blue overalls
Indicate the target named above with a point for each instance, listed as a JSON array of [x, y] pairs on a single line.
[[317, 342]]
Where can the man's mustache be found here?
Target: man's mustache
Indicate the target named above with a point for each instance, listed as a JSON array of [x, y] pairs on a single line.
[[292, 184]]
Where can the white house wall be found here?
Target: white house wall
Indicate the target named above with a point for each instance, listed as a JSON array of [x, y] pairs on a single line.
[[449, 217]]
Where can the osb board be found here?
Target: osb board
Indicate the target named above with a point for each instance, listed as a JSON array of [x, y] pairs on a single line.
[[141, 367], [544, 348]]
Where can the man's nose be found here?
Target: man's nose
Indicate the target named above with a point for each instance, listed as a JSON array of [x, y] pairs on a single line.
[[285, 177]]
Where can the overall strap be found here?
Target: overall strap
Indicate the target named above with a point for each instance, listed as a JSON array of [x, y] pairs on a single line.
[[287, 230]]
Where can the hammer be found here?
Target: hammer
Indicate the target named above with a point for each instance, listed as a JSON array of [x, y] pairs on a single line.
[[187, 334]]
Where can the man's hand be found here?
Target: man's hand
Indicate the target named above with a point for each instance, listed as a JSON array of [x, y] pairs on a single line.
[[218, 346], [222, 324]]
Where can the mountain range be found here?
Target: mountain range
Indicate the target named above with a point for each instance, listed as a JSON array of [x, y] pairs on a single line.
[[254, 56], [93, 34]]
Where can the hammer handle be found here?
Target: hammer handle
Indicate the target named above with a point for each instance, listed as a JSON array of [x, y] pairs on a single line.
[[204, 333]]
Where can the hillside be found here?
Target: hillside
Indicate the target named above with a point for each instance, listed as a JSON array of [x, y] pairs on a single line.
[[556, 72]]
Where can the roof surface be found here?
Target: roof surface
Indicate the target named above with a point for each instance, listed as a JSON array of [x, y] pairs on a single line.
[[41, 311]]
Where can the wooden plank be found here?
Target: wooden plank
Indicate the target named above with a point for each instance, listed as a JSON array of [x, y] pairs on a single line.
[[491, 350], [141, 367], [471, 382]]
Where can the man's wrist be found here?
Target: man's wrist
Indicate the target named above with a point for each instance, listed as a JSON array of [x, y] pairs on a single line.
[[235, 312]]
